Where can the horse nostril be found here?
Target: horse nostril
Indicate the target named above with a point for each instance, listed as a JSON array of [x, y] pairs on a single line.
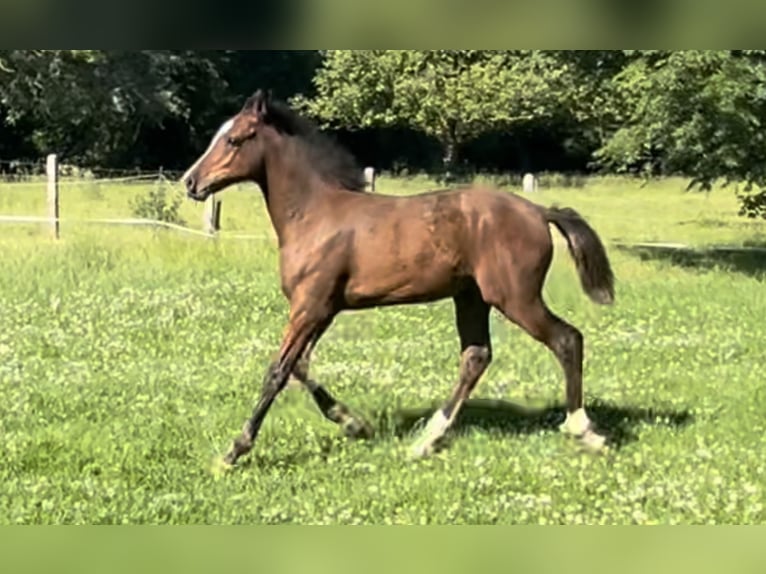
[[190, 183]]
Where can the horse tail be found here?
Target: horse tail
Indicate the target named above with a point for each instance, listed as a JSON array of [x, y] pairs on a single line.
[[588, 252]]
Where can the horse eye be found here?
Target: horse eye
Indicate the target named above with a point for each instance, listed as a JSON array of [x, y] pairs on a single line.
[[232, 141]]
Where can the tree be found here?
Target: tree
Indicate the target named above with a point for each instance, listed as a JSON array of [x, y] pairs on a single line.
[[590, 101], [695, 113], [134, 108], [451, 95], [89, 105]]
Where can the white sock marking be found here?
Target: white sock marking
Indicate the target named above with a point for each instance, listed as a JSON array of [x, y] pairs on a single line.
[[436, 427], [577, 422]]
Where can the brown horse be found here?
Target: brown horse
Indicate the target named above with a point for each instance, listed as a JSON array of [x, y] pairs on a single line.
[[341, 248]]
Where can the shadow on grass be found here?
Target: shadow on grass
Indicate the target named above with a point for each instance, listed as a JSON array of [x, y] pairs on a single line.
[[750, 260], [617, 423]]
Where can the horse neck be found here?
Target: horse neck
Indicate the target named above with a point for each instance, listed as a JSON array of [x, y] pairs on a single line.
[[289, 187]]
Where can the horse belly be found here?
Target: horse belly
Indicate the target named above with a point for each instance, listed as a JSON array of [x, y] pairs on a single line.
[[379, 282], [412, 253]]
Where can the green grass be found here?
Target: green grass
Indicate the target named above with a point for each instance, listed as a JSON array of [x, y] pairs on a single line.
[[129, 358]]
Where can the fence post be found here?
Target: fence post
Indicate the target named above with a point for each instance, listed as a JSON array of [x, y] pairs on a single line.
[[52, 171], [529, 183], [369, 178], [212, 217]]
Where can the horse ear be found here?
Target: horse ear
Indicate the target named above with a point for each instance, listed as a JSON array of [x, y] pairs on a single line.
[[257, 104]]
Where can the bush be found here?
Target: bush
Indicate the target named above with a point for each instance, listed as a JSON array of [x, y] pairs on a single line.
[[158, 205]]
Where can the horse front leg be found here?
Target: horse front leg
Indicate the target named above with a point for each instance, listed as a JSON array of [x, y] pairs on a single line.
[[353, 425], [304, 326]]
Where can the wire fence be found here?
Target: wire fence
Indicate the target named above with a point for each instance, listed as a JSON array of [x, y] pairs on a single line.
[[15, 171], [48, 179], [33, 176]]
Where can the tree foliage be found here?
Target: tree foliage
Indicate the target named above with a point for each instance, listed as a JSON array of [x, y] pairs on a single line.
[[453, 96], [696, 113], [118, 107], [81, 102], [649, 112]]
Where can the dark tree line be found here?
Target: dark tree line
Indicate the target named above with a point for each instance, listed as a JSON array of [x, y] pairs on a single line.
[[694, 113], [127, 109]]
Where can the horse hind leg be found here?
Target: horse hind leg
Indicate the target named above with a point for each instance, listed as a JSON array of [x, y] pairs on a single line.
[[566, 343], [472, 316]]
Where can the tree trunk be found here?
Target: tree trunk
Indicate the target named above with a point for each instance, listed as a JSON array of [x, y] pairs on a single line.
[[450, 154], [451, 147]]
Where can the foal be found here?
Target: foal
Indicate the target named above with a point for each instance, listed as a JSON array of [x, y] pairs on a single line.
[[341, 248]]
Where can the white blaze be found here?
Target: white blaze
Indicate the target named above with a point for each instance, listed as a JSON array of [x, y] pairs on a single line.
[[222, 131]]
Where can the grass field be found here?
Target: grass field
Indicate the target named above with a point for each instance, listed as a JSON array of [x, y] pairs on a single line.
[[129, 358]]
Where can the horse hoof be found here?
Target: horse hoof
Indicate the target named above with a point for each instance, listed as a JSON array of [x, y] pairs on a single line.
[[593, 442], [358, 430], [576, 424], [219, 467], [419, 451]]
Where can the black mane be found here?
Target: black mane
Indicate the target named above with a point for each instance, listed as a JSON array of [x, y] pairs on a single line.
[[332, 161]]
